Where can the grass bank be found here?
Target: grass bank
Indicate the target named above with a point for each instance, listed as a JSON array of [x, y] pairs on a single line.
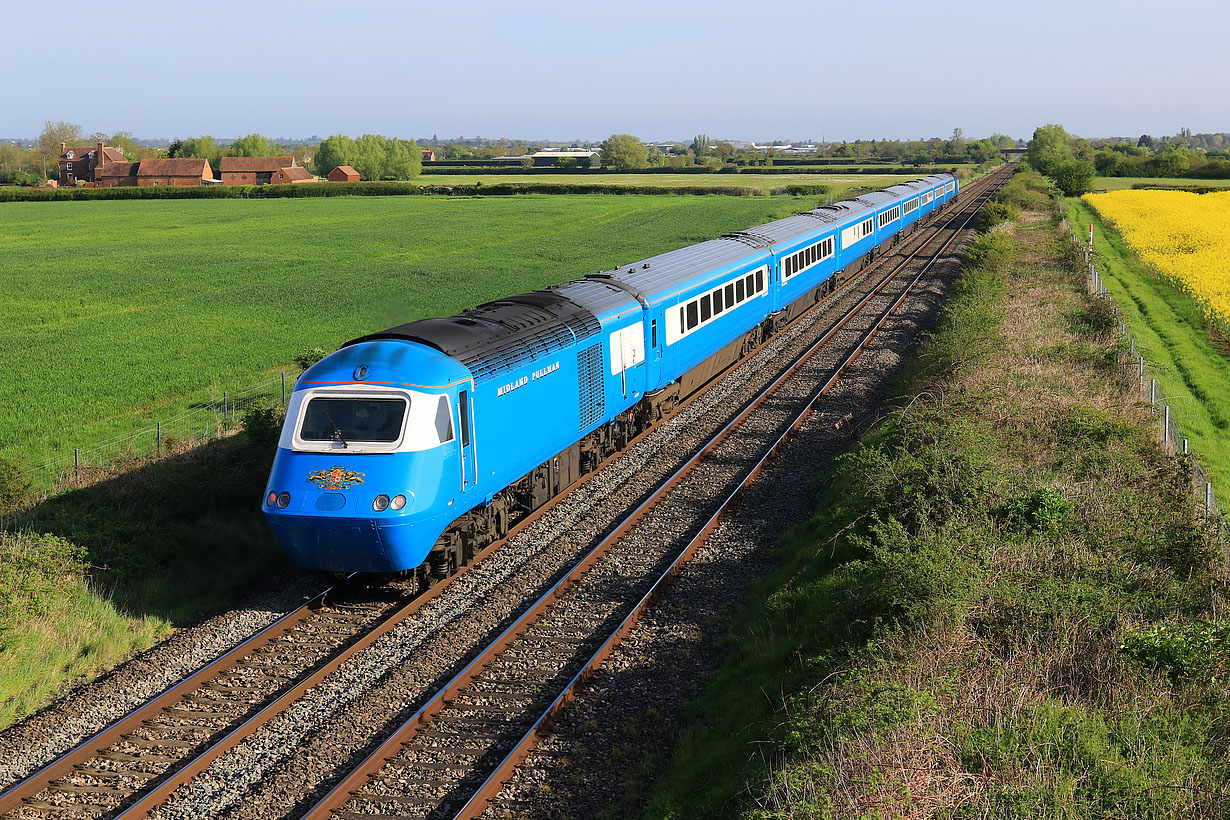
[[1189, 359], [1004, 606], [119, 314], [90, 577]]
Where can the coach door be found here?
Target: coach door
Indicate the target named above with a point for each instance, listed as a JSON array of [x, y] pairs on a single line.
[[627, 351]]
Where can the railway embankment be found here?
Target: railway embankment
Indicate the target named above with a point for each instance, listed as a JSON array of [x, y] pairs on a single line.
[[1008, 602]]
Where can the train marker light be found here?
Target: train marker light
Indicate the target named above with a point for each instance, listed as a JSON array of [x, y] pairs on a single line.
[[381, 503], [283, 500], [272, 499], [399, 501]]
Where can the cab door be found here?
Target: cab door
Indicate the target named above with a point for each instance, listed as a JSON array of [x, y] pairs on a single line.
[[465, 441]]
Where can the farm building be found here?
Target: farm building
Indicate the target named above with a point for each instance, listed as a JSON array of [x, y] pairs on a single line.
[[253, 170], [79, 163], [428, 155], [293, 174], [155, 172], [547, 158], [343, 173]]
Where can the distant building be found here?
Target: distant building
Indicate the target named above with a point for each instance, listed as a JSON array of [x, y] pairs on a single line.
[[253, 170], [79, 163], [343, 173], [149, 173], [292, 174], [544, 158], [428, 155]]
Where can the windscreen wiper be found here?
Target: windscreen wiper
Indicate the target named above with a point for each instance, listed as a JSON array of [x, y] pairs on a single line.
[[337, 431]]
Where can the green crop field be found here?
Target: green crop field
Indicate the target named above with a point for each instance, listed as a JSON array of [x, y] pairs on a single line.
[[117, 314]]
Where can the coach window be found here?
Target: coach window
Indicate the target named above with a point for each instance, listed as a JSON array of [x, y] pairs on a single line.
[[730, 295], [739, 295], [759, 281], [693, 321], [717, 301], [705, 310], [653, 333], [751, 285]]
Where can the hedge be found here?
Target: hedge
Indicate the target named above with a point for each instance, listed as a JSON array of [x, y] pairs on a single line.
[[383, 189]]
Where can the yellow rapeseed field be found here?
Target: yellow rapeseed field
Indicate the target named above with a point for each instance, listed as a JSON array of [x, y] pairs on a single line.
[[1184, 236]]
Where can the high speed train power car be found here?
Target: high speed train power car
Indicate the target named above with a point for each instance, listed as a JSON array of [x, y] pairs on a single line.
[[415, 447]]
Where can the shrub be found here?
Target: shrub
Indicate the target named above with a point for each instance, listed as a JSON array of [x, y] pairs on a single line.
[[262, 424], [310, 357], [33, 569], [16, 486], [993, 213], [1043, 510]]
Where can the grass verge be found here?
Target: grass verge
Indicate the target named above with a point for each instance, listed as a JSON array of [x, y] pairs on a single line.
[[1177, 341], [90, 577], [1005, 605]]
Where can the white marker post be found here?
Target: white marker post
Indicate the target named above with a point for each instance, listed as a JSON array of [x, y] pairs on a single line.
[[1091, 237]]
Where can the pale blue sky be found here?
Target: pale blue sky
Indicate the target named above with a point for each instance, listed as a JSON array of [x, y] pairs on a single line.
[[659, 70]]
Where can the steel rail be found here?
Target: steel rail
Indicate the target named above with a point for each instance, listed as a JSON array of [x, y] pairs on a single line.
[[370, 765]]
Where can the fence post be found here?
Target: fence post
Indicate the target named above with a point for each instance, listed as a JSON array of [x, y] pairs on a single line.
[[1166, 429], [224, 407], [1185, 451], [158, 438], [77, 463], [1208, 500], [1153, 393], [283, 387], [1142, 374]]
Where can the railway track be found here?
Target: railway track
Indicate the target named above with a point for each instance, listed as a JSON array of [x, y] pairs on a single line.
[[458, 749], [132, 766]]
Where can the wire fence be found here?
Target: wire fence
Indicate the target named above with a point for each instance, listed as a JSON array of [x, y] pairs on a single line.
[[204, 421], [1140, 375]]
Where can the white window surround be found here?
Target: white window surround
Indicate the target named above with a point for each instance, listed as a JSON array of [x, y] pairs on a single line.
[[418, 431]]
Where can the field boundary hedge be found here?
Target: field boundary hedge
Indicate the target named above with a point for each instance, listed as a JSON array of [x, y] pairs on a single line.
[[756, 170], [390, 189]]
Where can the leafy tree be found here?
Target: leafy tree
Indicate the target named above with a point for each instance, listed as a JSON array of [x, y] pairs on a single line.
[[1050, 146], [198, 148], [123, 141], [565, 162], [333, 151], [701, 145], [1146, 141], [49, 141], [1073, 176], [252, 145], [624, 152]]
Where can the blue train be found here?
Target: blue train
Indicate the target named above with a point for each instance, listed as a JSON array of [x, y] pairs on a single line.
[[412, 448]]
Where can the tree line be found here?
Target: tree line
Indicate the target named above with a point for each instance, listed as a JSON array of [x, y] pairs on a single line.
[[1072, 162]]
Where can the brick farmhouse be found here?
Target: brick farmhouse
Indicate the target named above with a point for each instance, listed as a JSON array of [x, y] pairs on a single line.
[[293, 174], [79, 163]]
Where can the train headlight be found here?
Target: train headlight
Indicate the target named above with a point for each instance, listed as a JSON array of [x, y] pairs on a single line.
[[272, 499], [283, 500], [381, 503], [398, 502]]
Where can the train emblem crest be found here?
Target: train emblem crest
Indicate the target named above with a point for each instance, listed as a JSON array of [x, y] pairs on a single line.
[[335, 478]]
